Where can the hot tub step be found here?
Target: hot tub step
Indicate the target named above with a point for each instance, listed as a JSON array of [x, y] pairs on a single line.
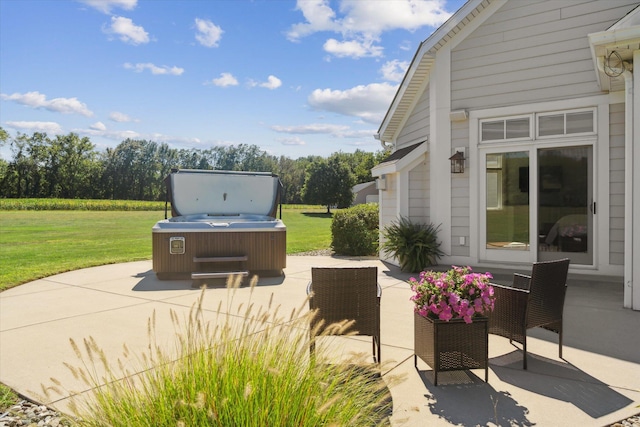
[[240, 258], [218, 274]]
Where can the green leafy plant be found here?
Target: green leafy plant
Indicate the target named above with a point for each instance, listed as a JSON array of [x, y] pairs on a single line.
[[415, 245], [354, 231]]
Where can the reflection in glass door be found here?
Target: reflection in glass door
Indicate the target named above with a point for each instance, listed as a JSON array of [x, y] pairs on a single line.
[[565, 204], [507, 203]]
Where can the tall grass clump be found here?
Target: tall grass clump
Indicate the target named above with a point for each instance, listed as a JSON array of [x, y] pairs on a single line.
[[249, 367]]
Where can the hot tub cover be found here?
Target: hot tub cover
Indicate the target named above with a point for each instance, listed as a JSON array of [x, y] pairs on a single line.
[[223, 193]]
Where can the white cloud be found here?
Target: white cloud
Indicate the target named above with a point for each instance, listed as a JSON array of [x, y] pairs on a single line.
[[360, 23], [314, 128], [119, 117], [59, 105], [119, 135], [99, 126], [208, 33], [319, 17], [140, 67], [352, 48], [291, 141], [368, 102], [105, 6], [225, 79], [337, 131], [272, 83], [127, 31], [394, 70], [47, 127]]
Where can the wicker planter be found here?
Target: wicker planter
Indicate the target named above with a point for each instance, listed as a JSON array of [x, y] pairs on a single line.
[[453, 345]]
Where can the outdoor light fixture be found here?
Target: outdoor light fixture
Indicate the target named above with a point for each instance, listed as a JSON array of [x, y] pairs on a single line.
[[457, 162]]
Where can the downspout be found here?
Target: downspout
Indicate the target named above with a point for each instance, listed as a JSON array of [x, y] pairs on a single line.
[[628, 189], [383, 143]]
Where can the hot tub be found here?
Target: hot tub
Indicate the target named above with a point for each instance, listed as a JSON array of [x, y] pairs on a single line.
[[222, 223]]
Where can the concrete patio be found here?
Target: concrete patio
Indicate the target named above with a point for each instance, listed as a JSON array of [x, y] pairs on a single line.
[[596, 383]]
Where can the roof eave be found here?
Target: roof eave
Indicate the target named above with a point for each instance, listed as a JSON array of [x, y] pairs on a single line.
[[421, 66]]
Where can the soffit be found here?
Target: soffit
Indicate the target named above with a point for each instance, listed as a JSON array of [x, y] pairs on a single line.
[[622, 38]]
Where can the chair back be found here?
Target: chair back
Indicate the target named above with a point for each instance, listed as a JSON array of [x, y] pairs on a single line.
[[547, 292], [349, 293]]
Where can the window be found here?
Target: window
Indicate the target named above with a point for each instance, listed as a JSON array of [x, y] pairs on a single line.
[[555, 124], [506, 129], [570, 123]]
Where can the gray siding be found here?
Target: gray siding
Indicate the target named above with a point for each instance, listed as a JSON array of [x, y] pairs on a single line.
[[531, 51], [419, 193], [460, 204], [416, 128], [616, 184]]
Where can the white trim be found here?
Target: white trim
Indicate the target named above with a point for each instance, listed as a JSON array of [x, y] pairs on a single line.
[[417, 154], [543, 107], [600, 143], [440, 150]]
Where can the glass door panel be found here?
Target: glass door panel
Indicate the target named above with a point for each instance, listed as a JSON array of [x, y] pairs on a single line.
[[565, 204], [507, 203]]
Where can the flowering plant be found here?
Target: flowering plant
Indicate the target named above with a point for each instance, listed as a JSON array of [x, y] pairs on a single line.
[[454, 294]]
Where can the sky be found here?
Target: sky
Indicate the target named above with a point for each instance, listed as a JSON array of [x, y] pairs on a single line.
[[295, 78]]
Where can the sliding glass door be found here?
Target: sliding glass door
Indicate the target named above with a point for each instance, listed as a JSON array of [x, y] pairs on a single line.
[[565, 204], [507, 214], [538, 205]]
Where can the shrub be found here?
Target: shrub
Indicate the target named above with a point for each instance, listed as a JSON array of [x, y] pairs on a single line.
[[248, 367], [415, 245], [354, 231]]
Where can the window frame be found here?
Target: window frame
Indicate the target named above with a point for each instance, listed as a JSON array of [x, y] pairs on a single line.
[[565, 113], [504, 121]]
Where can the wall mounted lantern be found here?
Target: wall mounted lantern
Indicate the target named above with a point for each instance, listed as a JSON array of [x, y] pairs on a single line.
[[457, 162]]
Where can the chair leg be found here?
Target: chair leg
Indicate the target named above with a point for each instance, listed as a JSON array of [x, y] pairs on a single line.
[[524, 356], [560, 343]]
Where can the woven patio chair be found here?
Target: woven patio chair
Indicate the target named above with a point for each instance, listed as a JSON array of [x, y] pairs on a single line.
[[345, 293], [533, 301]]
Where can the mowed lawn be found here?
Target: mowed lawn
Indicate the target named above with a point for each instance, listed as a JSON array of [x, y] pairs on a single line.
[[36, 244]]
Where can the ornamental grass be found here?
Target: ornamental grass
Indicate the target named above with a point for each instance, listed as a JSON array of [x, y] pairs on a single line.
[[246, 368]]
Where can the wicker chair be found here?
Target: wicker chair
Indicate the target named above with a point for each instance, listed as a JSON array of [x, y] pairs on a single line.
[[346, 293], [532, 301]]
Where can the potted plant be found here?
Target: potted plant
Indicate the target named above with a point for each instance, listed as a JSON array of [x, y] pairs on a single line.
[[415, 245], [450, 323]]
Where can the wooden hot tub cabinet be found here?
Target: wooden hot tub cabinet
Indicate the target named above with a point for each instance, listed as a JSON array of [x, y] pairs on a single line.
[[265, 252]]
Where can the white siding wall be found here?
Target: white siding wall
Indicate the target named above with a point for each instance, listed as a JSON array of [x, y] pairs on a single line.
[[419, 193], [388, 208], [616, 184], [416, 128], [531, 51], [460, 193]]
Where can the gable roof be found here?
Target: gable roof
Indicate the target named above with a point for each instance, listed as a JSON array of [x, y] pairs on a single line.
[[359, 187], [415, 78], [400, 158]]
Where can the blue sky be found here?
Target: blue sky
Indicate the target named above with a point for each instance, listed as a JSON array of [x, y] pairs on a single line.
[[311, 77]]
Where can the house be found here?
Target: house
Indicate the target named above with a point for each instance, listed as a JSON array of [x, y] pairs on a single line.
[[540, 101], [365, 192]]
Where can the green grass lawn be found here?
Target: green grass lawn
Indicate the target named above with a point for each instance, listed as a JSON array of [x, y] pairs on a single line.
[[39, 243]]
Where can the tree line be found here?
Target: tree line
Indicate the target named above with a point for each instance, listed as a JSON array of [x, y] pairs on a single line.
[[69, 166]]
